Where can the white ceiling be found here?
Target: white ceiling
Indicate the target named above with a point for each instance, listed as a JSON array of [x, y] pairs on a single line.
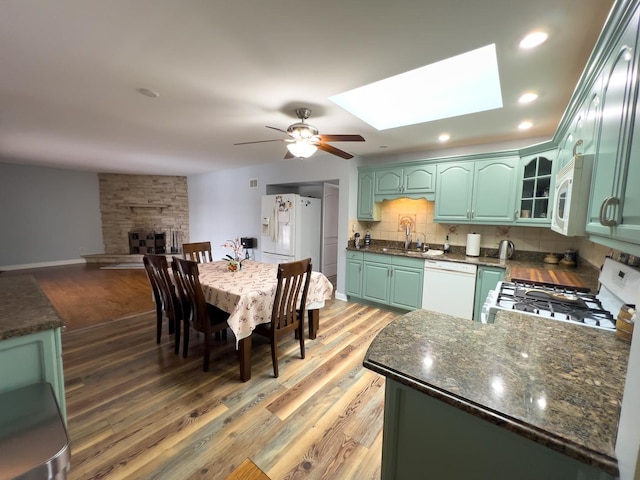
[[70, 70]]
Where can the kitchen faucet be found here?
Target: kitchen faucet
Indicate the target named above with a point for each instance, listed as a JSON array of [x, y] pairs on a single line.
[[422, 245], [407, 236]]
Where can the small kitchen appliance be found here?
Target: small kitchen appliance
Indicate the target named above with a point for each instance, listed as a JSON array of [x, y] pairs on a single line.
[[505, 249], [619, 286]]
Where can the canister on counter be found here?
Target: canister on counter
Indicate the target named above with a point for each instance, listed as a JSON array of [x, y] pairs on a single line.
[[624, 322]]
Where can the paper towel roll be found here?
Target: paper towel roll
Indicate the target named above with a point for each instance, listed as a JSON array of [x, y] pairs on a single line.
[[473, 245]]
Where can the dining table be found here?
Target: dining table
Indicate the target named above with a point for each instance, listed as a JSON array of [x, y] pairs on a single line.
[[248, 294]]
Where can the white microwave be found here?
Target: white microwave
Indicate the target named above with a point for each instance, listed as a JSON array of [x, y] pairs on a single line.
[[571, 199]]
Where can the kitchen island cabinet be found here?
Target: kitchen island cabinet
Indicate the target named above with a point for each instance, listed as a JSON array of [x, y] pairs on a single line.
[[30, 338], [522, 398]]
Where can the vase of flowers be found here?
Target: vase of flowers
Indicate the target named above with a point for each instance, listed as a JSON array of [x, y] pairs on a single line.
[[234, 261]]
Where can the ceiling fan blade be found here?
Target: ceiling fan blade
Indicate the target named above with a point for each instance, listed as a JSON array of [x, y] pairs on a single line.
[[288, 155], [341, 138], [278, 129], [260, 141], [335, 151]]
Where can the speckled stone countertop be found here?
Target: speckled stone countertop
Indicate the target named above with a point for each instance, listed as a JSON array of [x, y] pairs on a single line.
[[557, 384], [24, 308], [587, 272]]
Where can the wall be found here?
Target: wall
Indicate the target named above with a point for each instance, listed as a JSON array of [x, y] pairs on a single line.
[[223, 206], [48, 216], [419, 213], [119, 192]]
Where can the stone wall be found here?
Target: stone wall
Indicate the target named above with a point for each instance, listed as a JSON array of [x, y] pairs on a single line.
[[142, 202]]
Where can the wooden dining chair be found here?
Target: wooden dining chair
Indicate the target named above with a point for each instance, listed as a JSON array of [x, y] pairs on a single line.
[[202, 317], [164, 293], [291, 291], [199, 252]]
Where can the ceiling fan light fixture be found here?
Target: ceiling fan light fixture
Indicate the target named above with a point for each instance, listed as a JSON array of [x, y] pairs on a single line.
[[302, 148]]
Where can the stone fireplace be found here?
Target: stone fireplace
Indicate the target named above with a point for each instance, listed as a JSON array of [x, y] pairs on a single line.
[[149, 204]]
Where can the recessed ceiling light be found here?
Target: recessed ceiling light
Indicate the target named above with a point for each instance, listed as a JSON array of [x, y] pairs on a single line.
[[148, 93], [533, 39], [525, 125], [528, 97], [444, 89], [444, 137]]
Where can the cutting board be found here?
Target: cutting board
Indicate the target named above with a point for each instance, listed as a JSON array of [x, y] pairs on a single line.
[[542, 276]]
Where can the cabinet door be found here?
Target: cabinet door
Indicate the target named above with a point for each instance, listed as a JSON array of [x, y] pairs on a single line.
[[388, 181], [535, 190], [367, 209], [454, 182], [354, 276], [406, 287], [419, 179], [375, 282], [494, 190], [611, 153], [486, 279]]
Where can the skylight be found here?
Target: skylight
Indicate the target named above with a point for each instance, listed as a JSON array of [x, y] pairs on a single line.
[[460, 85]]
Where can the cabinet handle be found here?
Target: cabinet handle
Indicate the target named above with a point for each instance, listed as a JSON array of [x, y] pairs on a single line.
[[473, 213], [468, 215], [609, 201], [515, 214]]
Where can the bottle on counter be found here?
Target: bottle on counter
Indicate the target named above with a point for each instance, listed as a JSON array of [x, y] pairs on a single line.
[[446, 245], [367, 239]]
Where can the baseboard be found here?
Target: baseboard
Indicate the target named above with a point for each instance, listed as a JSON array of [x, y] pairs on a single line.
[[341, 296], [26, 266]]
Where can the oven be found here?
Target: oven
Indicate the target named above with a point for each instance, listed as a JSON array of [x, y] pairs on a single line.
[[619, 286]]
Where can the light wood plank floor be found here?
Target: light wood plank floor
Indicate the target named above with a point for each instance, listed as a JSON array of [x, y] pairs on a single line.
[[136, 410]]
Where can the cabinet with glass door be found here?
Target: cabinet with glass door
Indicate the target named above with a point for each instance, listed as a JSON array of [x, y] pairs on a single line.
[[536, 189]]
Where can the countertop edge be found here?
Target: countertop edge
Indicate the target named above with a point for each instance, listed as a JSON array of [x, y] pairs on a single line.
[[589, 457]]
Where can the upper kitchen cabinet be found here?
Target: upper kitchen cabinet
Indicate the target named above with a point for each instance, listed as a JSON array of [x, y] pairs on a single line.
[[411, 181], [367, 208], [481, 191], [533, 204], [614, 203]]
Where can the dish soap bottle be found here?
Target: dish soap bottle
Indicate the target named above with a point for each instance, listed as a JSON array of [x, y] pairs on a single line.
[[446, 245], [367, 239]]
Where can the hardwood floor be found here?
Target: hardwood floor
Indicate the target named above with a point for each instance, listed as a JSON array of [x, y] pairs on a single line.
[[136, 410]]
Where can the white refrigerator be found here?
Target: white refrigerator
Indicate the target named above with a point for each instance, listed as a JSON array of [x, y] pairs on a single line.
[[291, 229]]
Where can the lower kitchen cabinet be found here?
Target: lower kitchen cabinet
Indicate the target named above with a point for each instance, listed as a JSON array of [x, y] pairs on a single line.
[[354, 273], [385, 279], [33, 358], [486, 279], [424, 437]]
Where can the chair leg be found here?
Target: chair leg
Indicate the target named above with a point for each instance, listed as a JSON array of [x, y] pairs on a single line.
[[187, 334], [158, 324], [176, 347], [274, 356], [301, 331]]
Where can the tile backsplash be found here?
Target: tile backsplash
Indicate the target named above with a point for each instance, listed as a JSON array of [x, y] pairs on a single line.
[[418, 214]]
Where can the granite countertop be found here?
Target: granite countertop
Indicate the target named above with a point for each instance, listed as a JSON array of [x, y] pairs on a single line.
[[587, 272], [24, 308], [557, 384]]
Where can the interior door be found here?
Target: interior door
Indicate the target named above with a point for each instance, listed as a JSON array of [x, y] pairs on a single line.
[[330, 202]]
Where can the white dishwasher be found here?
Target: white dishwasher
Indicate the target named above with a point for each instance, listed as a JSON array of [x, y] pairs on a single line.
[[449, 287]]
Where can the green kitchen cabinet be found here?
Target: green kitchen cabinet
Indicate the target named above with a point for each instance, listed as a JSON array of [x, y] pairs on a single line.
[[385, 279], [535, 190], [354, 273], [376, 284], [367, 208], [486, 280], [425, 437], [410, 181], [480, 191], [407, 276], [614, 203], [33, 358]]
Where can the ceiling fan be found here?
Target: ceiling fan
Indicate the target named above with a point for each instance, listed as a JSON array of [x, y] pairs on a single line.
[[304, 139]]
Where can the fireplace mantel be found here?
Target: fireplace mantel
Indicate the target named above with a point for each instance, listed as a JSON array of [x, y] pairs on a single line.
[[132, 206]]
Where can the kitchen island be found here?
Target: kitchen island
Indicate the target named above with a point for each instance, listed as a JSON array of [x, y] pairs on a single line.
[[30, 338], [522, 398]]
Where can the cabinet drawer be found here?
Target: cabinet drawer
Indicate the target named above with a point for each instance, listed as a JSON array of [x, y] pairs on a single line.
[[378, 258], [408, 262], [357, 256]]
